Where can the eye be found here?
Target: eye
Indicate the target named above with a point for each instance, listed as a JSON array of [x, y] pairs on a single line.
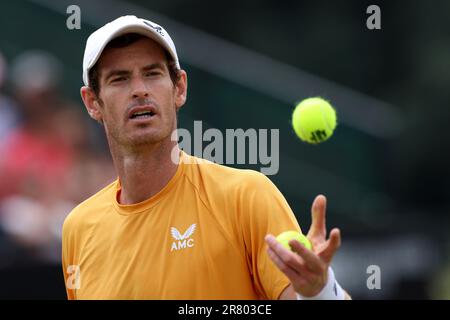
[[152, 73], [118, 79]]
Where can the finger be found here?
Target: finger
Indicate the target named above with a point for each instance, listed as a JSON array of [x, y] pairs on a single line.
[[286, 256], [271, 241], [332, 245], [275, 245], [312, 261], [288, 271], [297, 279], [318, 211]]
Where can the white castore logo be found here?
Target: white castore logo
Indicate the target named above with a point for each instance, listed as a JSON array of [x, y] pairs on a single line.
[[182, 241]]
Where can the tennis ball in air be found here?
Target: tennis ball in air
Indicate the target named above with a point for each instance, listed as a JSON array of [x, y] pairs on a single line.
[[314, 120], [287, 236]]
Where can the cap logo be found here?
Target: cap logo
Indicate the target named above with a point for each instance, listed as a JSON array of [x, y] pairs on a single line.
[[157, 29]]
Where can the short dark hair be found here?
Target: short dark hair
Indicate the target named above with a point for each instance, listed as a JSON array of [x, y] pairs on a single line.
[[122, 42]]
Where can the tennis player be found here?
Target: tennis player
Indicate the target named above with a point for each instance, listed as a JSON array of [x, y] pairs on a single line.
[[173, 226]]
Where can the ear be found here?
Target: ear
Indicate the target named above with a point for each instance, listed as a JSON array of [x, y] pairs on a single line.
[[181, 90], [91, 103]]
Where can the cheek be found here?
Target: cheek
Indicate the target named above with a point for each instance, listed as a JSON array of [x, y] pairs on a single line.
[[170, 109], [166, 101], [112, 105]]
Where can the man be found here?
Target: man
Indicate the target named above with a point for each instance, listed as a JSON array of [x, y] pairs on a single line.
[[173, 226]]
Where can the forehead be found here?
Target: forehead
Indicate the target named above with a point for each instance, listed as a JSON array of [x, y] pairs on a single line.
[[142, 52]]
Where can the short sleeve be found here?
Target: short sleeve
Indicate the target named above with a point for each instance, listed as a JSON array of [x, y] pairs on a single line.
[[264, 210]]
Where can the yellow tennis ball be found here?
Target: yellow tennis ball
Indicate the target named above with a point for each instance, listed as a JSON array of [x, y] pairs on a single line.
[[314, 120], [287, 236]]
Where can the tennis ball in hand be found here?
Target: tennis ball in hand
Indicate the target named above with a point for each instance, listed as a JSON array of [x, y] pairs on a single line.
[[287, 236], [314, 120]]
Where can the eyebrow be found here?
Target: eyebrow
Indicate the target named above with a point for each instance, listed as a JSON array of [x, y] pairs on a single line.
[[156, 65], [117, 72]]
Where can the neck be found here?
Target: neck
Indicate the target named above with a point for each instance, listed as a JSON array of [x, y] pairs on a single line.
[[144, 172]]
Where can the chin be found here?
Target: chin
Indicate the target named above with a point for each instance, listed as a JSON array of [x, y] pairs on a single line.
[[148, 138]]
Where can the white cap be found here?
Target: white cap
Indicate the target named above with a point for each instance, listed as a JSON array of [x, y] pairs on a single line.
[[98, 40]]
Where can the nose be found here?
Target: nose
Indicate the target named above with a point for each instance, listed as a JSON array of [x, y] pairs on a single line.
[[139, 88]]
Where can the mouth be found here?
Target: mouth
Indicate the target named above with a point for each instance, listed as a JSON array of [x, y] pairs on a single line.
[[142, 112], [142, 115]]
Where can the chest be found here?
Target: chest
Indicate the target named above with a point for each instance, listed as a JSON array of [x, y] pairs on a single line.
[[160, 253]]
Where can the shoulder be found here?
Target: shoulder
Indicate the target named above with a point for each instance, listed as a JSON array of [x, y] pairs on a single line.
[[237, 191], [222, 178], [90, 210]]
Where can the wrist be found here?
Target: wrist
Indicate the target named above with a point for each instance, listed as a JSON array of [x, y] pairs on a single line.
[[331, 291]]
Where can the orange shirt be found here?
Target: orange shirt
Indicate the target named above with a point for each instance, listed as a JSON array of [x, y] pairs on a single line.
[[200, 237]]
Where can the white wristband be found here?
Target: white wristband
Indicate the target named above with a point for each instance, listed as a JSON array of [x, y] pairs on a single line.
[[331, 291]]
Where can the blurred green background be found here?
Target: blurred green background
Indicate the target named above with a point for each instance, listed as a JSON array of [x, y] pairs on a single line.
[[385, 171]]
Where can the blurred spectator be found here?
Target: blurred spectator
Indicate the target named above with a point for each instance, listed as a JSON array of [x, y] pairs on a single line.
[[47, 165], [35, 154], [8, 113]]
